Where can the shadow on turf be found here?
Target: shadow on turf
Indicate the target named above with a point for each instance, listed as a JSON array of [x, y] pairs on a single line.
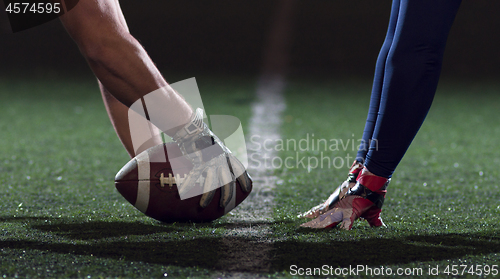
[[92, 230], [96, 230], [197, 252], [375, 252], [100, 230], [180, 249], [249, 253]]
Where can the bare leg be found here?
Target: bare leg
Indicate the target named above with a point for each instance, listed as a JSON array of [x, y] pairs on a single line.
[[123, 67], [119, 61], [118, 114]]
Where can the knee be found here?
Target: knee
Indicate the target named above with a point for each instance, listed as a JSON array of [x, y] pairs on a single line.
[[422, 58]]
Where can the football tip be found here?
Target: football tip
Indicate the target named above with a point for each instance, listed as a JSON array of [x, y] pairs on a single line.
[[126, 170]]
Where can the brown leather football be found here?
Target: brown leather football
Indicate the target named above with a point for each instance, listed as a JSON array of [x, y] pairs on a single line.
[[148, 183]]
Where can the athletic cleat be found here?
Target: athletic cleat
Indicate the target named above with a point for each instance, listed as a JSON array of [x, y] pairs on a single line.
[[214, 166], [372, 216], [337, 195], [364, 200]]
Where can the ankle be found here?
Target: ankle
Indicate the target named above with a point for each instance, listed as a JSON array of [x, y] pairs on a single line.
[[371, 181], [354, 171]]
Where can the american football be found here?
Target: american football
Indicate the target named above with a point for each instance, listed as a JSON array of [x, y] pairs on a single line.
[[148, 183]]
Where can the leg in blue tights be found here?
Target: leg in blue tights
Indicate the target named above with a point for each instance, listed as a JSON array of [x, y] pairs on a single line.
[[406, 78], [377, 84]]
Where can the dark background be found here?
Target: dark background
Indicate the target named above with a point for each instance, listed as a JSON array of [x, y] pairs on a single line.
[[330, 38]]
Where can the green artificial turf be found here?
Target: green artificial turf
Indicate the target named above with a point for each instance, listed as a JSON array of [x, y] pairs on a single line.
[[442, 206], [60, 215]]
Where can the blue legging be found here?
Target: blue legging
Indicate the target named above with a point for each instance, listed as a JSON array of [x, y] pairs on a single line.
[[406, 78]]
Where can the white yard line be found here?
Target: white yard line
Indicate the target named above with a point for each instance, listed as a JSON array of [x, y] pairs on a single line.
[[247, 250], [264, 128]]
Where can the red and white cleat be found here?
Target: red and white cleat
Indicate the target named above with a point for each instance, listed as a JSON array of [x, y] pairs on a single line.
[[337, 195], [363, 200]]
